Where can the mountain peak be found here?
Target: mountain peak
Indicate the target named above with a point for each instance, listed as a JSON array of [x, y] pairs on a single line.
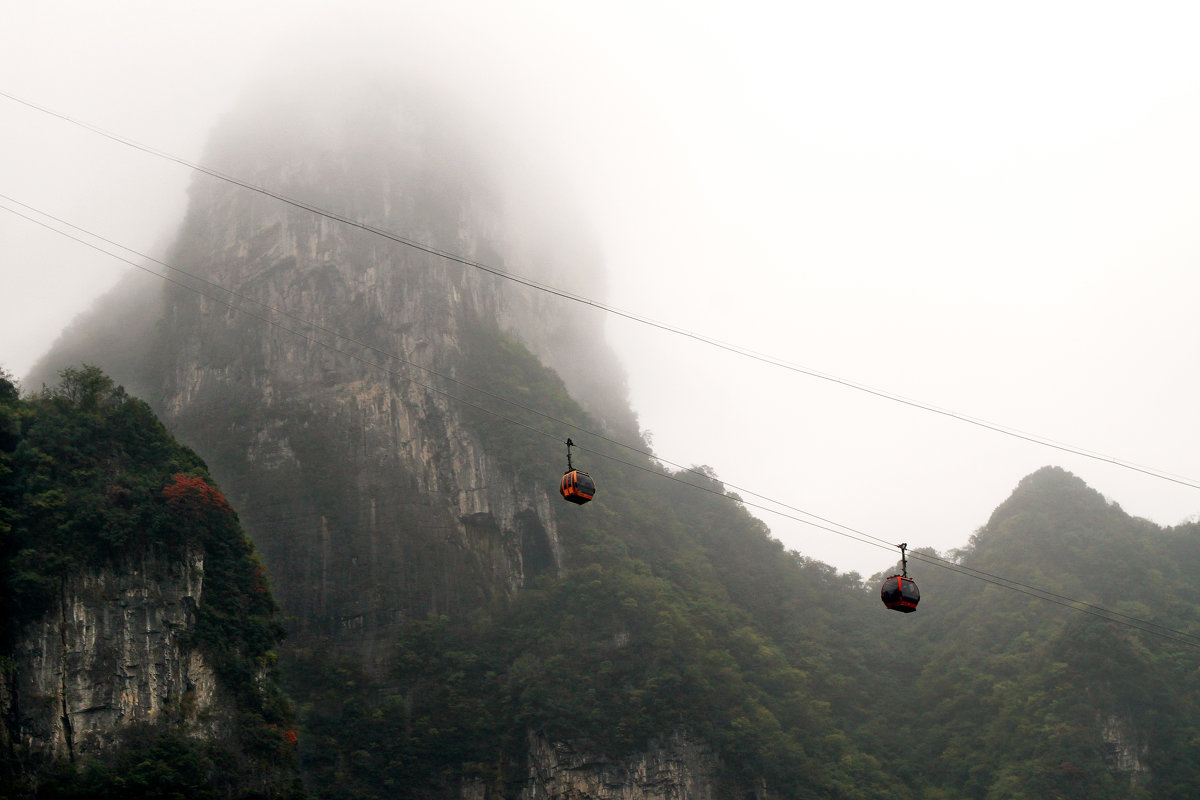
[[1054, 521], [1050, 488]]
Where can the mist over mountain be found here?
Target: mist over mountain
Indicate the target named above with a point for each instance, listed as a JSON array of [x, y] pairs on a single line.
[[389, 426], [336, 346]]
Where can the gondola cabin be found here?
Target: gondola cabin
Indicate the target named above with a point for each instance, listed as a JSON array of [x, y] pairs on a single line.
[[577, 487], [900, 593]]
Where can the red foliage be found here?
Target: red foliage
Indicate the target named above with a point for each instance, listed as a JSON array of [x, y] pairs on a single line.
[[290, 736], [195, 495]]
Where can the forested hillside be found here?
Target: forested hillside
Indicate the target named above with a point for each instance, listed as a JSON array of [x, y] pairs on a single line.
[[677, 611], [674, 610], [157, 680], [1023, 697]]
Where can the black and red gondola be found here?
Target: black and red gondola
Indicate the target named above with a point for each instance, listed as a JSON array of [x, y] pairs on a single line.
[[900, 592], [576, 487]]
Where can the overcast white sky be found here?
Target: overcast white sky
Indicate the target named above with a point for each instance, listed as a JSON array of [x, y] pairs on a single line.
[[988, 208]]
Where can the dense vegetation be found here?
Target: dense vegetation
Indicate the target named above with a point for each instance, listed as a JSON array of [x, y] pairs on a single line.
[[90, 479], [1017, 693], [679, 612], [676, 612]]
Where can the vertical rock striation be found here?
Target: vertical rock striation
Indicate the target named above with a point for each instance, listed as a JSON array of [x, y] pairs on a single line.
[[1126, 749], [114, 652], [676, 769]]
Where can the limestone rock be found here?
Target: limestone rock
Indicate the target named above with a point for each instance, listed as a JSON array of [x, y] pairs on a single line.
[[114, 652]]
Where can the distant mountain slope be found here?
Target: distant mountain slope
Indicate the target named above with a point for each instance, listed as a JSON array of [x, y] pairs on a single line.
[[1019, 696]]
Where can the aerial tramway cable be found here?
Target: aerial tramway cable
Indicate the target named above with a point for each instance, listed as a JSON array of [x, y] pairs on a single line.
[[547, 288], [234, 295], [1180, 637]]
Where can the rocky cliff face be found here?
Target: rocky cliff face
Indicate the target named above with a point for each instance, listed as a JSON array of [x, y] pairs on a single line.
[[115, 652], [319, 367], [1125, 749], [676, 769], [137, 632]]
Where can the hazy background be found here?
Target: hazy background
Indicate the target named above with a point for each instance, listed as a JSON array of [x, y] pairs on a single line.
[[990, 210]]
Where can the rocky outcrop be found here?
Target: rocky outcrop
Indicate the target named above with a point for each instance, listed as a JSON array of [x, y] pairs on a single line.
[[1125, 749], [114, 652], [678, 768]]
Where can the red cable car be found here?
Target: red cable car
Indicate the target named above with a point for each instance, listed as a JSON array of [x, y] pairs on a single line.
[[576, 487], [900, 592]]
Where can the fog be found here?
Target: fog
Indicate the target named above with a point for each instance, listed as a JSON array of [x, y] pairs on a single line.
[[990, 211]]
